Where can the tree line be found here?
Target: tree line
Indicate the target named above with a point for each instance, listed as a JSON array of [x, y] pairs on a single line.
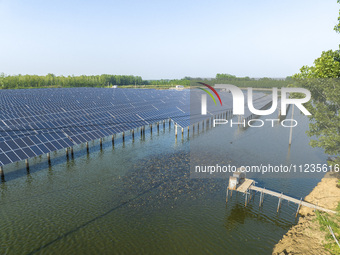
[[51, 80], [244, 81], [108, 80]]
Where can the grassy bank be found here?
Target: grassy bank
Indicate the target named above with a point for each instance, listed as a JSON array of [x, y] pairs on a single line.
[[327, 224]]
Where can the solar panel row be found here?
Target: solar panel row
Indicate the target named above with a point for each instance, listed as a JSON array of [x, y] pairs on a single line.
[[38, 121], [192, 111]]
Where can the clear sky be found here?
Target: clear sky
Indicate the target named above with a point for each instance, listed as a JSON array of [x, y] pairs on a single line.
[[165, 39]]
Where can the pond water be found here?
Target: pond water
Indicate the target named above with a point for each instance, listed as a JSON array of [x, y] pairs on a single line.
[[139, 198]]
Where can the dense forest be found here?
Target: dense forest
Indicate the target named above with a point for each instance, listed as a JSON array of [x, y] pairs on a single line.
[[107, 80]]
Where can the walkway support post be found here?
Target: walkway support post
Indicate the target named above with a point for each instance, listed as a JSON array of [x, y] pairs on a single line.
[[297, 212], [279, 204]]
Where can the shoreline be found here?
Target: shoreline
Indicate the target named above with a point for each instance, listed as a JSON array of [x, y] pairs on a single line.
[[306, 237]]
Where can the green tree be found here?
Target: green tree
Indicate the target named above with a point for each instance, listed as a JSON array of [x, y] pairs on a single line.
[[322, 81], [337, 26]]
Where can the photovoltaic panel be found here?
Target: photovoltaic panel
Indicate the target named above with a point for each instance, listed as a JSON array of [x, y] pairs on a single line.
[[38, 121]]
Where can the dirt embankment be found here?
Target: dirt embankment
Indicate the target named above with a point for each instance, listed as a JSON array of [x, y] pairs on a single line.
[[306, 237]]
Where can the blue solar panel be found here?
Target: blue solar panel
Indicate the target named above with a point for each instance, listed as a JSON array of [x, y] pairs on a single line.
[[39, 121]]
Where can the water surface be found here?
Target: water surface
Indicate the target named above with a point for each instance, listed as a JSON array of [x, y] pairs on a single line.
[[138, 198]]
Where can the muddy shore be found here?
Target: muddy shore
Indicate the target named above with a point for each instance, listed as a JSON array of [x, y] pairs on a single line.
[[306, 237]]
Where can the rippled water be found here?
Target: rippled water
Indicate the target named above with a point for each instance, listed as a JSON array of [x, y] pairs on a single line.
[[138, 198]]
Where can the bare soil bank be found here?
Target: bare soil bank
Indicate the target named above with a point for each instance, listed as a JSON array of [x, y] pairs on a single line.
[[306, 237]]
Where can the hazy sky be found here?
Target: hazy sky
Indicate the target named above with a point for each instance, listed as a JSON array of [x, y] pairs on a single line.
[[165, 39]]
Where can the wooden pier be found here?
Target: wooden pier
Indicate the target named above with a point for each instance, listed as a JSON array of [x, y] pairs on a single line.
[[245, 185], [248, 185]]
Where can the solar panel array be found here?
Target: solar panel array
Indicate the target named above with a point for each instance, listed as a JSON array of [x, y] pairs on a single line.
[[38, 121], [192, 111]]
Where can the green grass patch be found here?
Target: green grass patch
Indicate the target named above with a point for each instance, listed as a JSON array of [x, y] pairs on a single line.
[[326, 220]]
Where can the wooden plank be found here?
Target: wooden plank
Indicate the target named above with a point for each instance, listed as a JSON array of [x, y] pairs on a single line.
[[245, 185]]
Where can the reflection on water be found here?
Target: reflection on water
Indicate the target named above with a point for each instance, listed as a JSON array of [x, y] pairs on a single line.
[[138, 198], [265, 146]]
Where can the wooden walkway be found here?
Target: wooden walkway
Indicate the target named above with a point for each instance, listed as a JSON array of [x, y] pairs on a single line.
[[245, 185], [290, 199], [249, 184]]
